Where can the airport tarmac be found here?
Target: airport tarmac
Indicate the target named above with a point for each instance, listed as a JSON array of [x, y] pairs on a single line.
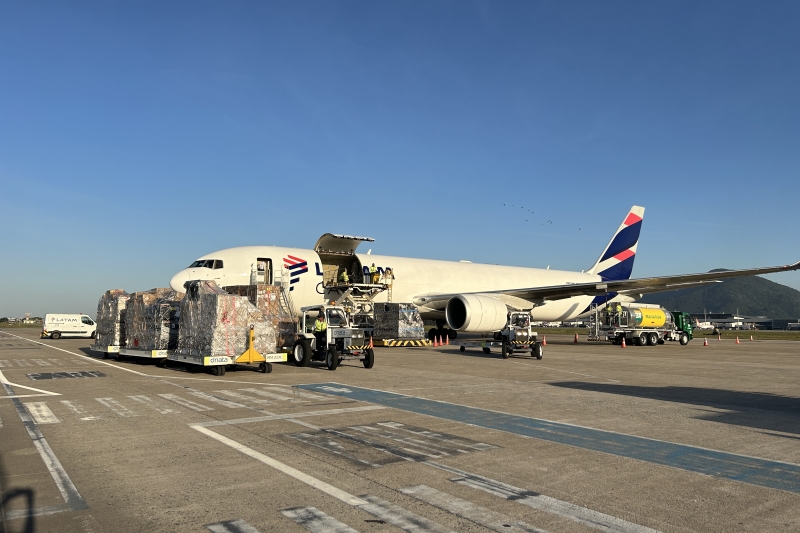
[[593, 437]]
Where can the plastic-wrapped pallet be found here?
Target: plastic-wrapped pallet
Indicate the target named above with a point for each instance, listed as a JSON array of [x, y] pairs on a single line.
[[151, 319], [398, 321], [214, 322], [267, 299], [111, 318]]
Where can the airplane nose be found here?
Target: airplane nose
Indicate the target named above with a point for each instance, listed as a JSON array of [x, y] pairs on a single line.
[[177, 281]]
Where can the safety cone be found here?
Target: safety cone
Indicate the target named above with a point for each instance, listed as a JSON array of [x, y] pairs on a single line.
[[447, 340], [370, 342], [544, 340], [435, 344], [705, 342], [751, 337], [576, 339], [719, 337], [737, 339], [623, 343]]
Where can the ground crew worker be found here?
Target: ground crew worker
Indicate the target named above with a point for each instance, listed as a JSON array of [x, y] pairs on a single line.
[[619, 313], [343, 277], [320, 328], [373, 273], [608, 313], [388, 276]]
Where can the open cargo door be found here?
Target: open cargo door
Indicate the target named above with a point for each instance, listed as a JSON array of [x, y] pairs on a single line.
[[339, 244]]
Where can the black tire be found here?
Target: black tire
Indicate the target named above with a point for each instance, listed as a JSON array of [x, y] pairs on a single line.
[[487, 351], [93, 335], [683, 339], [537, 351], [265, 368], [505, 349], [332, 358], [461, 348], [120, 357], [55, 335], [369, 358], [652, 339], [301, 353], [432, 334], [105, 355], [643, 337], [452, 333], [218, 370], [161, 363]]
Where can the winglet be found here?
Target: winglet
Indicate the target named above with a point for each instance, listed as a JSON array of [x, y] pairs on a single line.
[[616, 261]]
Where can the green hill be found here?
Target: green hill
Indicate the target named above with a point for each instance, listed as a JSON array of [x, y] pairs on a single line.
[[751, 295]]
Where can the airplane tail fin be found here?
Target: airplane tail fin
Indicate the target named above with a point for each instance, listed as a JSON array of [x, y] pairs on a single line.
[[616, 261]]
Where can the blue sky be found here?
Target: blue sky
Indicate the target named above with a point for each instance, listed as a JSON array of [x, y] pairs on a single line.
[[135, 137]]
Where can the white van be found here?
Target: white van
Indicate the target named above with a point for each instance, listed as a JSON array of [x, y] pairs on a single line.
[[56, 326]]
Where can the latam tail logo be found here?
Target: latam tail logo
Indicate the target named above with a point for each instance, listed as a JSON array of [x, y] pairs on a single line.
[[296, 267], [616, 263]]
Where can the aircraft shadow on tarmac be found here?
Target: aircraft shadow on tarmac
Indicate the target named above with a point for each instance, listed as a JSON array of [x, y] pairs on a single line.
[[12, 494], [744, 408]]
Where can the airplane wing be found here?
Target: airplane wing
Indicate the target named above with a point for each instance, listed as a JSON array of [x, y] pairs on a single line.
[[640, 286]]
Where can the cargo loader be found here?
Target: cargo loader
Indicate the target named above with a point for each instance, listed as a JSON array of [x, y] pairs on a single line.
[[639, 325], [516, 336]]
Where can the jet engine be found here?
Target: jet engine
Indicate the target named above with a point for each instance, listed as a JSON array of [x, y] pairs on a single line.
[[476, 313]]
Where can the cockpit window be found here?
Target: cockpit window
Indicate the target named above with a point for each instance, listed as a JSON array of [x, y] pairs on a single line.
[[206, 263]]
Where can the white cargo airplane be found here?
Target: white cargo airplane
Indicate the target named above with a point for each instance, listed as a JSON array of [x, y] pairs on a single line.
[[467, 296]]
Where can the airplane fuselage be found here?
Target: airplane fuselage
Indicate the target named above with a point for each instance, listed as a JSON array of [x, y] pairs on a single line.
[[413, 278]]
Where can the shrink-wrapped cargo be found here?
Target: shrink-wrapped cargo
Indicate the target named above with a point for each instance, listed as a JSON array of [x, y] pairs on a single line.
[[151, 319], [267, 298], [111, 318], [398, 321], [214, 322]]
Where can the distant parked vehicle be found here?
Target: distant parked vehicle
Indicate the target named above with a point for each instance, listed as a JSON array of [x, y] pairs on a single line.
[[793, 326], [57, 325]]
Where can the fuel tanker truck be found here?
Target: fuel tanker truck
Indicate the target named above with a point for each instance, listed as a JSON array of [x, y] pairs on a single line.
[[640, 325]]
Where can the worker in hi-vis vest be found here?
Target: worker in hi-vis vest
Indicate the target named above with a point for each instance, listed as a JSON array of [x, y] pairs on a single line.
[[320, 326], [343, 277], [373, 273]]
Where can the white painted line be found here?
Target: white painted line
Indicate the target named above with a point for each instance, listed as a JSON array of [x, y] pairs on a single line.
[[41, 362], [22, 362], [242, 397], [55, 361], [399, 517], [232, 526], [474, 513], [291, 416], [117, 407], [1, 423], [570, 511], [5, 362], [4, 381], [78, 361], [286, 469], [78, 409], [214, 399], [146, 400], [186, 403], [297, 392], [565, 371], [41, 414], [316, 521], [273, 395]]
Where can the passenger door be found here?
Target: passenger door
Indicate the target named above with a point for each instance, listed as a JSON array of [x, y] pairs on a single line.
[[264, 270]]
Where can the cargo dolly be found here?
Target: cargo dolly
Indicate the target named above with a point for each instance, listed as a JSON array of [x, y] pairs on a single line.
[[159, 355], [105, 349], [516, 336], [217, 363]]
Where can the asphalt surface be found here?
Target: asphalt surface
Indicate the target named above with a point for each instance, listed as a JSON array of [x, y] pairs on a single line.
[[593, 437]]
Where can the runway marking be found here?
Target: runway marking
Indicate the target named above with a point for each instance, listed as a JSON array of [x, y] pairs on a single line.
[[242, 397], [472, 512], [72, 498], [146, 400], [399, 517], [582, 515], [5, 363], [274, 396], [214, 399], [290, 416], [297, 392], [286, 469], [117, 407], [55, 361], [753, 470], [41, 362], [78, 409], [316, 521], [186, 403], [41, 414], [4, 381], [232, 526], [22, 362]]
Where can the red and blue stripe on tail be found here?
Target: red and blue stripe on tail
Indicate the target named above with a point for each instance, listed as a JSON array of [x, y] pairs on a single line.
[[616, 261]]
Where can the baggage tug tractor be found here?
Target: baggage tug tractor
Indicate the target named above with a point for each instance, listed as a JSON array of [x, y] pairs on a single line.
[[342, 340], [640, 324], [515, 336]]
